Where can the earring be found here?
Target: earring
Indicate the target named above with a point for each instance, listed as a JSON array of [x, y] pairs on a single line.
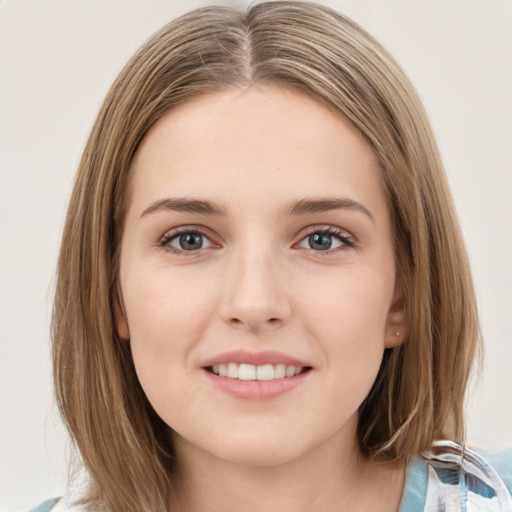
[[397, 333]]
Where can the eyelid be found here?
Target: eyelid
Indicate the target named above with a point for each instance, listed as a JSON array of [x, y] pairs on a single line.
[[315, 228]]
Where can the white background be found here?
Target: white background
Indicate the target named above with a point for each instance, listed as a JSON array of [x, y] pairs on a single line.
[[57, 60]]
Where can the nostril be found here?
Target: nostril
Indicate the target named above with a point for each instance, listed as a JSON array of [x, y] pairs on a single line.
[[255, 323]]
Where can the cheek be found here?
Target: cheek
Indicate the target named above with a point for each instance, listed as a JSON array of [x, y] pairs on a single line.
[[351, 305], [166, 317], [349, 319], [160, 301]]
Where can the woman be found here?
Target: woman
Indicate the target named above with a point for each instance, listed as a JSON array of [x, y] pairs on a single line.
[[263, 298]]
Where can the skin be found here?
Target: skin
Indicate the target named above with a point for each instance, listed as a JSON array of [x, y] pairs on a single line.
[[257, 284]]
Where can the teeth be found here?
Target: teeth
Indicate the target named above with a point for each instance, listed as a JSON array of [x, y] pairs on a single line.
[[252, 372], [265, 372], [232, 371], [279, 371], [244, 371]]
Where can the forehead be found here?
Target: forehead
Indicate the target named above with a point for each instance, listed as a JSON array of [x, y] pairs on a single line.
[[259, 141]]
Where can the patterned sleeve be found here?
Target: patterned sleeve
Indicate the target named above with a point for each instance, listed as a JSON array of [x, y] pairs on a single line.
[[501, 462]]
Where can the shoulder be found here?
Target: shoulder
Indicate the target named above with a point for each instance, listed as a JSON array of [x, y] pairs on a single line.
[[459, 477], [58, 505], [47, 506], [501, 462]]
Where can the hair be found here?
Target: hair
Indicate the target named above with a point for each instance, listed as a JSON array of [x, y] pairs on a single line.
[[418, 395]]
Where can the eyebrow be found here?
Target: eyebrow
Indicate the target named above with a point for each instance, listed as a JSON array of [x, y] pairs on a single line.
[[185, 205], [324, 204], [301, 207]]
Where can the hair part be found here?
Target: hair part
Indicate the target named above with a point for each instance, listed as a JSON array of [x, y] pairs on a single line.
[[418, 395]]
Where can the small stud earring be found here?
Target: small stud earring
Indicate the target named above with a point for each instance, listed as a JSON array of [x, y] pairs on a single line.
[[397, 333]]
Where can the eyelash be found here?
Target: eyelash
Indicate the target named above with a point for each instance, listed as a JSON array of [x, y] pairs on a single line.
[[346, 240]]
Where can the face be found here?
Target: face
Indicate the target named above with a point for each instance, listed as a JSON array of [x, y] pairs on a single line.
[[257, 275]]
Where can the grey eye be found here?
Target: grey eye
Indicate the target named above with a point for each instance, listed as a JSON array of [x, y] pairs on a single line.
[[190, 241], [320, 241], [325, 240]]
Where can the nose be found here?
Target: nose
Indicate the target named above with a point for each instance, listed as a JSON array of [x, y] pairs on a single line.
[[255, 296]]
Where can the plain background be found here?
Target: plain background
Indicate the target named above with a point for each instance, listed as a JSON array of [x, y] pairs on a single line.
[[57, 60]]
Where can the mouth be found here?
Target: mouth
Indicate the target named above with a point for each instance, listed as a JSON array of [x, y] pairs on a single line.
[[256, 376], [264, 372]]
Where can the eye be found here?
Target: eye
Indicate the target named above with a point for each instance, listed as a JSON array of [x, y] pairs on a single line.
[[325, 240], [186, 241]]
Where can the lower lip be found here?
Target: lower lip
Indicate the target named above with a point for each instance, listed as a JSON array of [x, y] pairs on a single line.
[[256, 389]]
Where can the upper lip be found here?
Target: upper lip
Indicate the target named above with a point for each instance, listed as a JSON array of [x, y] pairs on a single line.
[[254, 358]]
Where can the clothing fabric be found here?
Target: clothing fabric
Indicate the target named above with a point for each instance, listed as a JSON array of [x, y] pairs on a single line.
[[47, 506], [453, 478], [447, 478]]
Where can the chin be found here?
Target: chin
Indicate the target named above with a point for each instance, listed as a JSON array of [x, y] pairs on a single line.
[[258, 457], [251, 449]]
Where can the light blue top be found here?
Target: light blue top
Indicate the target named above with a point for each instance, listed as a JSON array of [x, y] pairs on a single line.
[[448, 477], [46, 506]]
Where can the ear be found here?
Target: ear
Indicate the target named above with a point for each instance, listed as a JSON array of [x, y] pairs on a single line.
[[398, 326], [120, 315]]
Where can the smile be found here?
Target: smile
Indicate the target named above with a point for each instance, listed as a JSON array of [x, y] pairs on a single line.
[[257, 376], [246, 371]]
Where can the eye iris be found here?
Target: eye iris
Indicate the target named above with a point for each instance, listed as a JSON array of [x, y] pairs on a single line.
[[191, 241], [320, 241]]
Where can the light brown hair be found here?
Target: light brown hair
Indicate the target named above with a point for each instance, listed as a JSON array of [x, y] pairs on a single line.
[[419, 393]]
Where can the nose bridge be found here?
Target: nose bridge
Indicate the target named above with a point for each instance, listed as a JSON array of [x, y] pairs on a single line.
[[255, 296]]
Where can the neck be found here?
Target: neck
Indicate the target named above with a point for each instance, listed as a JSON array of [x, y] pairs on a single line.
[[333, 477]]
